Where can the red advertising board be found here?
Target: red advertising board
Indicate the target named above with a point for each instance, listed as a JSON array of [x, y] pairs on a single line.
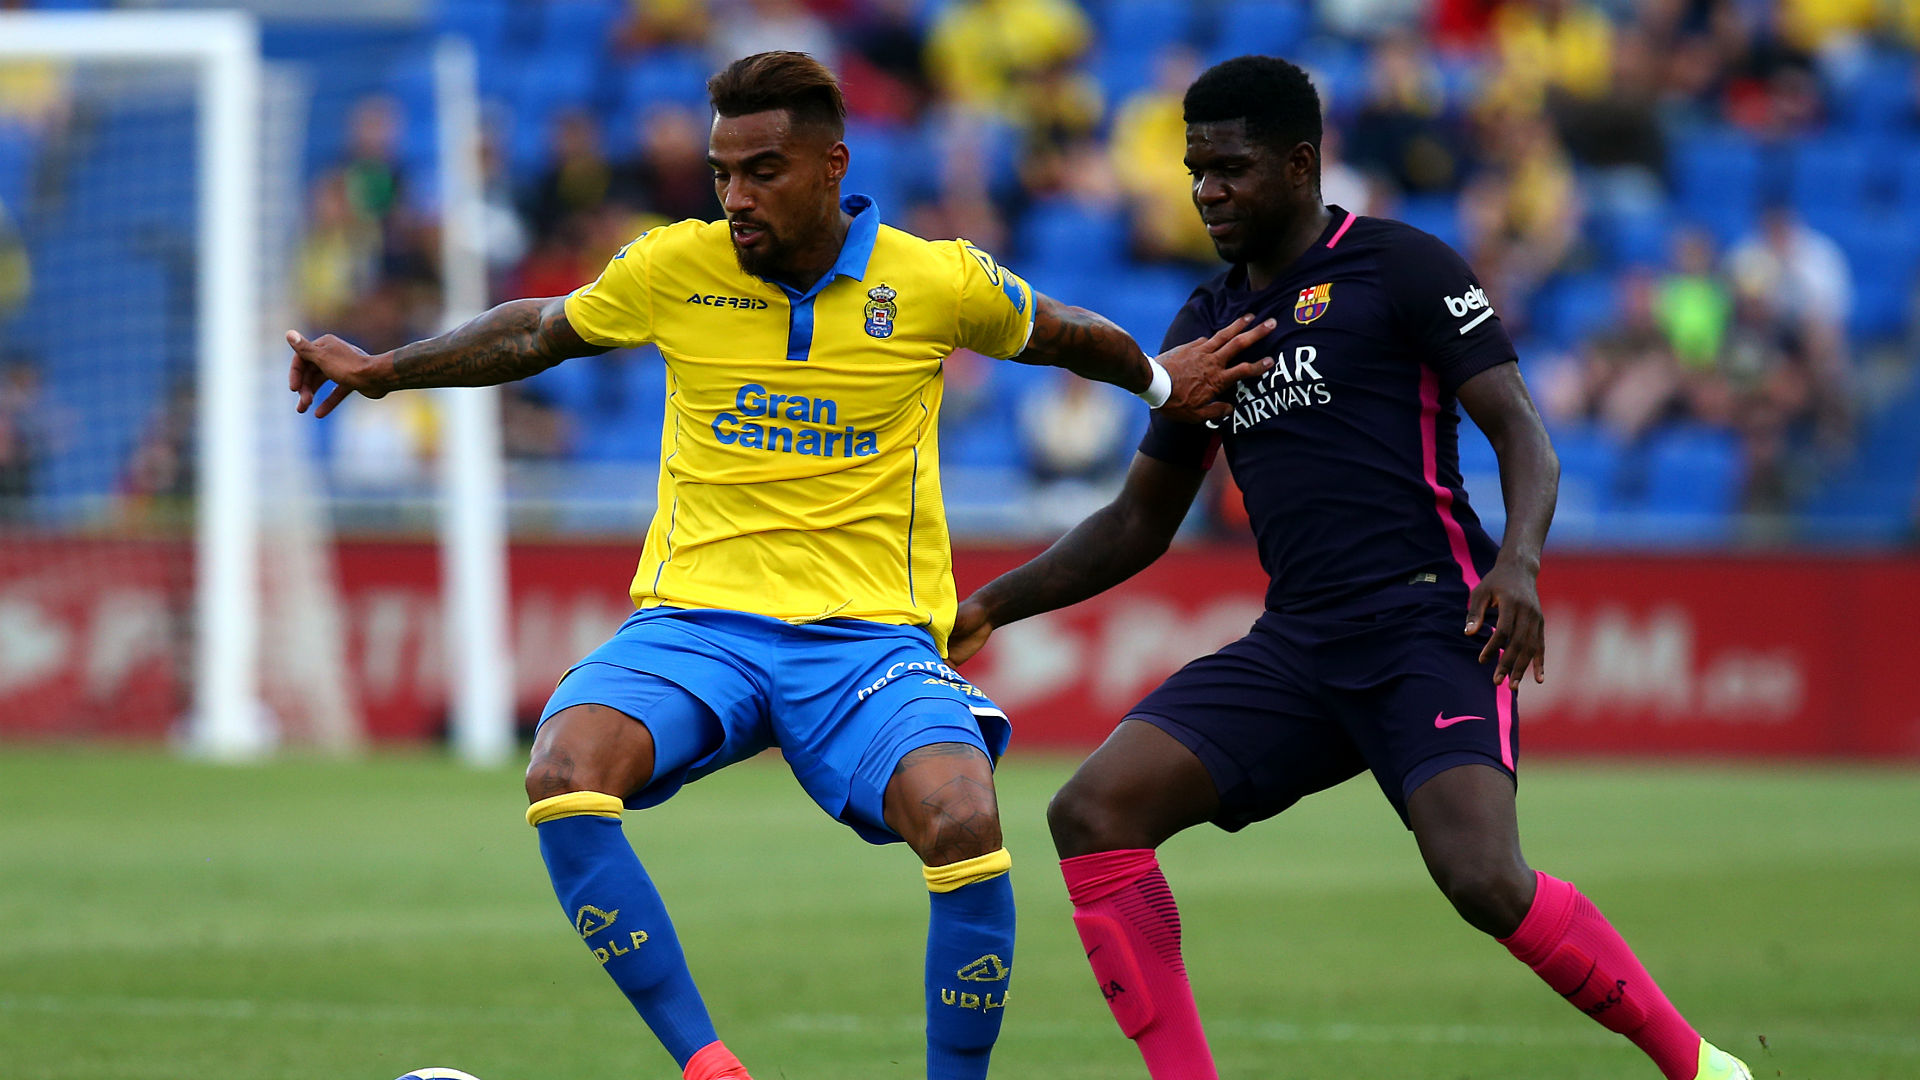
[[1690, 655]]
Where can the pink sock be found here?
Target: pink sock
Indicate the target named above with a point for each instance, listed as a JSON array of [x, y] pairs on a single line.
[[1568, 943], [1130, 926]]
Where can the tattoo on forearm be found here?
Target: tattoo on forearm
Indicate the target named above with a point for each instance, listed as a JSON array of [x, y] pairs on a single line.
[[510, 342], [1087, 344]]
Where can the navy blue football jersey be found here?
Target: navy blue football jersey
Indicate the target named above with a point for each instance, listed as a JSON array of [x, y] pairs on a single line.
[[1346, 452]]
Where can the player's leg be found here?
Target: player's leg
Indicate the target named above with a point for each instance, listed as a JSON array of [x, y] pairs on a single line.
[[1138, 789], [941, 801], [588, 759], [1465, 822]]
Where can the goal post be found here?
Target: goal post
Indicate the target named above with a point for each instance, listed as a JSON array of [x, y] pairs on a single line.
[[227, 720]]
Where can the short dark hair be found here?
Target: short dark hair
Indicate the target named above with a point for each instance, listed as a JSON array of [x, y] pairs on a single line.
[[786, 80], [1274, 97]]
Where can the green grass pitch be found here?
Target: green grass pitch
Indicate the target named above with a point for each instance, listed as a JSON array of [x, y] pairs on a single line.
[[162, 920]]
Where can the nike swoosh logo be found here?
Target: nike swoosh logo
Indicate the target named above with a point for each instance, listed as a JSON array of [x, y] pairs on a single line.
[[1093, 950], [1442, 720]]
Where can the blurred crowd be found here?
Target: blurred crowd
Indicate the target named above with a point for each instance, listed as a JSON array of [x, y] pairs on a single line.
[[1661, 196]]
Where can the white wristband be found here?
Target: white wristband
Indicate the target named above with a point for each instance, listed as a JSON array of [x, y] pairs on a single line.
[[1160, 389]]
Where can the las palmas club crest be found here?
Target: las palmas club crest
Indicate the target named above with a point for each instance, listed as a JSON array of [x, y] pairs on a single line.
[[881, 311], [1312, 303]]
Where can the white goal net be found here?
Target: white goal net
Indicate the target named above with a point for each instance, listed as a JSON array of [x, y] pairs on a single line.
[[165, 569]]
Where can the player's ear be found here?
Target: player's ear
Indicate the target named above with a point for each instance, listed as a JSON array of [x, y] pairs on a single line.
[[1303, 164], [837, 157]]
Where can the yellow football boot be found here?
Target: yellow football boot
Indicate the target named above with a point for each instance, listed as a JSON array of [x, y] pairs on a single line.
[[1717, 1064]]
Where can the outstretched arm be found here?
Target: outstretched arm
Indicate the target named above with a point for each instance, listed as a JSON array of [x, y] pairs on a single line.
[[517, 339], [1116, 542], [1498, 401], [1087, 344]]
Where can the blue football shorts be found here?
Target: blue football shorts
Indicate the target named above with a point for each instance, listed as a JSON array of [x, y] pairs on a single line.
[[843, 700]]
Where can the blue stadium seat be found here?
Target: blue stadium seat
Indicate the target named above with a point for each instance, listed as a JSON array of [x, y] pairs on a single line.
[[1693, 469], [582, 26], [1589, 468], [1837, 173], [672, 76], [1267, 27], [18, 151], [877, 166], [1878, 94], [1717, 177], [483, 22], [1577, 306], [1144, 302], [1634, 238], [1069, 236], [989, 439], [1140, 27], [1436, 214], [1880, 250]]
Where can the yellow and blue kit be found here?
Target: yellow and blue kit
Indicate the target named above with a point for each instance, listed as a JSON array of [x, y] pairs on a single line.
[[797, 578]]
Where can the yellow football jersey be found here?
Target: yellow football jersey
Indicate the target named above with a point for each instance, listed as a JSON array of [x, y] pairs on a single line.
[[799, 459]]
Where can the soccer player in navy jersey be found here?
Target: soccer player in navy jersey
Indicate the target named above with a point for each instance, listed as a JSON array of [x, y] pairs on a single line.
[[1345, 453]]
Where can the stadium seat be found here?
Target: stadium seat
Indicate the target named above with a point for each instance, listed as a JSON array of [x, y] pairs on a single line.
[[1634, 238], [1717, 177], [673, 76], [582, 26], [1576, 306], [1692, 469], [1835, 174], [18, 151], [877, 162], [1140, 28], [1881, 252], [1266, 27], [485, 23], [1589, 467], [1436, 214], [1877, 94], [1071, 236]]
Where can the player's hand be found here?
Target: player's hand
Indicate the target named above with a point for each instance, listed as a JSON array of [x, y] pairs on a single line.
[[329, 359], [1520, 636], [971, 628], [1203, 370]]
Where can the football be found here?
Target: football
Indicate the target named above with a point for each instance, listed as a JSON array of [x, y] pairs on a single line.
[[438, 1074]]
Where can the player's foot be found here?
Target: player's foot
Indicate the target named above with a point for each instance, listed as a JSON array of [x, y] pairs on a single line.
[[715, 1062], [1717, 1064]]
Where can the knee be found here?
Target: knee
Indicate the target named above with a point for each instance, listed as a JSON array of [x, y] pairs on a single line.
[[948, 834], [1085, 819], [1493, 897]]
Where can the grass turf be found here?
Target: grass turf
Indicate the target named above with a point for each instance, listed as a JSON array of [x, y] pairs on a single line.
[[161, 919]]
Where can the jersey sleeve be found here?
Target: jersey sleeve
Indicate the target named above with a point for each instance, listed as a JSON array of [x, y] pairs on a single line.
[[1176, 443], [616, 308], [996, 306], [1448, 319]]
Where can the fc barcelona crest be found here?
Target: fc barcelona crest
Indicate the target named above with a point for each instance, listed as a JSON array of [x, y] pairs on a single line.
[[881, 311], [1312, 303]]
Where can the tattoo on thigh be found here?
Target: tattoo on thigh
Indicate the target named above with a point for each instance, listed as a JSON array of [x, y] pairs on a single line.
[[556, 775]]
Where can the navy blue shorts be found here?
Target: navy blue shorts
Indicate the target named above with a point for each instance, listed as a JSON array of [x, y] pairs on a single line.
[[843, 700], [1304, 702]]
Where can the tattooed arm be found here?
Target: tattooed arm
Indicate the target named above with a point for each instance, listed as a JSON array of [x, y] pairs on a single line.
[[1116, 542], [1087, 344], [517, 339]]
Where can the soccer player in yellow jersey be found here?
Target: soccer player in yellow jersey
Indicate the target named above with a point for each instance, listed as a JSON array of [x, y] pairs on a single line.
[[796, 586]]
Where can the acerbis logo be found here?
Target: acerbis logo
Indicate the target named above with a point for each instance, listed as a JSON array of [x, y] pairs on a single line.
[[751, 303], [1476, 298]]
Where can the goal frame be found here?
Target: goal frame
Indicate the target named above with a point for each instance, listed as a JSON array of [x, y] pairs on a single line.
[[228, 721]]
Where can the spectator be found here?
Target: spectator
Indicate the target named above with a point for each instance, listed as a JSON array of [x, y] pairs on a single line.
[[1148, 142], [667, 178], [1073, 430], [883, 70], [160, 478], [506, 237], [338, 256], [1522, 215], [16, 272], [1693, 305], [578, 177], [653, 24], [374, 178], [979, 50], [1627, 378], [533, 427], [1563, 45], [1766, 389], [1344, 186], [1618, 137], [745, 27], [1403, 132], [24, 437], [1800, 278]]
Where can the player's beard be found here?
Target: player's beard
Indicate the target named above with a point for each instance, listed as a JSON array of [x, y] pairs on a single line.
[[763, 260]]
